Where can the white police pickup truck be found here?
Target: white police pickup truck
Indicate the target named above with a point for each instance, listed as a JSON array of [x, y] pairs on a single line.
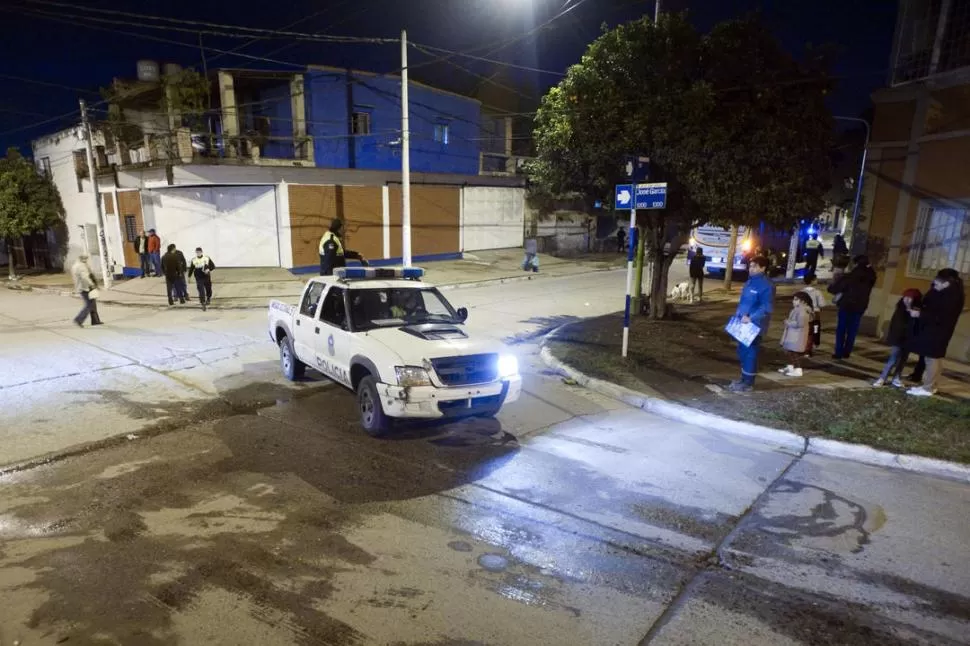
[[397, 343]]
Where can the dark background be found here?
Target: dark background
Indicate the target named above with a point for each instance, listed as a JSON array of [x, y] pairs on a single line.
[[72, 52]]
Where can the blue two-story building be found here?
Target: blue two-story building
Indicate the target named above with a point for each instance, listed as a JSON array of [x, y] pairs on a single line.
[[259, 178]]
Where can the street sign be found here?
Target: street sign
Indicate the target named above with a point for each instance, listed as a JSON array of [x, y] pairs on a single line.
[[624, 196], [650, 196]]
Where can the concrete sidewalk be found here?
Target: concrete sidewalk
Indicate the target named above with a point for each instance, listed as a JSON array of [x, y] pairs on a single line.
[[251, 288]]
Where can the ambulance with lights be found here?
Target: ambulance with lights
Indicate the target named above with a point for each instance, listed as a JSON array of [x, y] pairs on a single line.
[[397, 343], [715, 241]]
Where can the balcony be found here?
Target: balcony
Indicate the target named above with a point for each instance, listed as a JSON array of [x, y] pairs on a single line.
[[932, 38]]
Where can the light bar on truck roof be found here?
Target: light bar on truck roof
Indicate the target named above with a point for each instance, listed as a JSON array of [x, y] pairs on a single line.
[[379, 273]]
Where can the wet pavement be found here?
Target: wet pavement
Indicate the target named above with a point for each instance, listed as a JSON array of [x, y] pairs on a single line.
[[264, 515]]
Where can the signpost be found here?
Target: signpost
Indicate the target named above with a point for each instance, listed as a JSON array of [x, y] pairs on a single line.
[[633, 197]]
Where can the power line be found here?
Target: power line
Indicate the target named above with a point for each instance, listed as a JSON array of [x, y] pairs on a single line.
[[452, 53], [72, 113], [234, 29], [59, 86]]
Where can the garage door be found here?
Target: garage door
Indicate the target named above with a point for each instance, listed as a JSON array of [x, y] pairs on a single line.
[[236, 225], [493, 217]]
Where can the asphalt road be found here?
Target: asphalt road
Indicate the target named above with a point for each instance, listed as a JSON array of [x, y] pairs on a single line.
[[258, 512]]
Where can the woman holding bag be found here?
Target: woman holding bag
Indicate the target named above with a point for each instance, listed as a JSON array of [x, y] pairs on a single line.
[[87, 289]]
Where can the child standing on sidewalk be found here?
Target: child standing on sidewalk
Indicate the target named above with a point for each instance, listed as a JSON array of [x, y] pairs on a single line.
[[902, 329], [818, 302], [796, 338]]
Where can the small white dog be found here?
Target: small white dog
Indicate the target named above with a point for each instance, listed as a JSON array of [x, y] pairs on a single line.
[[681, 292]]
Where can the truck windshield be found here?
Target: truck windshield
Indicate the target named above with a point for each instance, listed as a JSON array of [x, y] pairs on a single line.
[[396, 306]]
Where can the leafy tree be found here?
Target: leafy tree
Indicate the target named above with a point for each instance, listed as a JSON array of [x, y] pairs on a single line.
[[735, 125], [29, 201]]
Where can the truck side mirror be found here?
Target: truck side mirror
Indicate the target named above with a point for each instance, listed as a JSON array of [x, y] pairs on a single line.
[[462, 314]]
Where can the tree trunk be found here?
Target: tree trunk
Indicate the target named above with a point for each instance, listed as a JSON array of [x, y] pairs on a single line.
[[12, 273], [729, 259], [659, 265]]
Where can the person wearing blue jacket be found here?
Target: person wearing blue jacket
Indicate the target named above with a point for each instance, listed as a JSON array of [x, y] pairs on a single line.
[[757, 301]]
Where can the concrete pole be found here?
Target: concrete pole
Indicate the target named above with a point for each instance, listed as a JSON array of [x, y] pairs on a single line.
[[656, 11], [93, 175], [629, 279], [405, 155], [729, 259]]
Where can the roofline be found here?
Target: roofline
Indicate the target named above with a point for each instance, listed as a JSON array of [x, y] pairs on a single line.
[[344, 70]]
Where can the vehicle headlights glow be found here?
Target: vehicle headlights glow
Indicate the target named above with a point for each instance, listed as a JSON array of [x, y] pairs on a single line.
[[408, 376], [746, 245], [508, 366]]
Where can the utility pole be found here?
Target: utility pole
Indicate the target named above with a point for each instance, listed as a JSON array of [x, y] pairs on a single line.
[[729, 259], [405, 155], [93, 175], [629, 272], [656, 11]]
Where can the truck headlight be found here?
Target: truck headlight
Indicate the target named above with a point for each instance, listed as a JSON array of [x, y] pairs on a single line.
[[408, 376], [508, 366]]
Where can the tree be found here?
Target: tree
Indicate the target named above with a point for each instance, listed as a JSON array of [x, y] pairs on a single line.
[[735, 125], [29, 201]]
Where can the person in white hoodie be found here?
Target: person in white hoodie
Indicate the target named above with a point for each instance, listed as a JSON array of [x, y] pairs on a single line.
[[86, 287]]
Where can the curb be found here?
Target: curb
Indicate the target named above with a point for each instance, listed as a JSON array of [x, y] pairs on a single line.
[[788, 440], [61, 291]]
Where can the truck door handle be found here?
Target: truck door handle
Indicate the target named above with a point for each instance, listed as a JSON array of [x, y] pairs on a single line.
[[297, 321], [317, 330]]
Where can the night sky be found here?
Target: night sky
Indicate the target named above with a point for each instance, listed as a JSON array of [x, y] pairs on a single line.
[[67, 48]]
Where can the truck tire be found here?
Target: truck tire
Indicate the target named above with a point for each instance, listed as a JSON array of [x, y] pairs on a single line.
[[372, 417], [292, 367]]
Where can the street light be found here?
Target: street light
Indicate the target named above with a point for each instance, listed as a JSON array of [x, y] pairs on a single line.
[[858, 184]]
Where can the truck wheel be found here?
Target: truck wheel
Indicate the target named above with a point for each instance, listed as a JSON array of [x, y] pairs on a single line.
[[292, 367], [372, 416]]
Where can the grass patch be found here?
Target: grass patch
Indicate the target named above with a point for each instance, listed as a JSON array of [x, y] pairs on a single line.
[[885, 419], [681, 359]]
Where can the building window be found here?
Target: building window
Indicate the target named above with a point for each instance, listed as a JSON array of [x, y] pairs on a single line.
[[941, 239], [130, 228], [45, 166], [441, 133], [360, 124], [80, 168]]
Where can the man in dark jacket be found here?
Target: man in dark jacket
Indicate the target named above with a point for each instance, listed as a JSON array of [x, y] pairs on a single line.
[[696, 271], [938, 319], [852, 293], [174, 267], [141, 248], [332, 252]]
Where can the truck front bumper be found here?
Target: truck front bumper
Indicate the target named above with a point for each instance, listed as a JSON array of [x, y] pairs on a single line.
[[429, 402]]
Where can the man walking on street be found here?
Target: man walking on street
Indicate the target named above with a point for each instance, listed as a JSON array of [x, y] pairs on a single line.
[[332, 252], [141, 248], [201, 267], [86, 287], [155, 251], [174, 268], [757, 301], [813, 251]]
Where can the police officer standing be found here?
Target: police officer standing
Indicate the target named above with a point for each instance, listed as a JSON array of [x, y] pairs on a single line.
[[201, 267], [332, 252], [813, 251]]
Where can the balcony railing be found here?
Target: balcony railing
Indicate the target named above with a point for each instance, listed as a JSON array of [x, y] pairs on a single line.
[[185, 147]]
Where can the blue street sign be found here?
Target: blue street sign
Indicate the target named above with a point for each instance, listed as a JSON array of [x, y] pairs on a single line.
[[651, 196], [623, 198]]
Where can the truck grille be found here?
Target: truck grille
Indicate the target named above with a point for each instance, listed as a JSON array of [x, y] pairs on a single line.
[[467, 370]]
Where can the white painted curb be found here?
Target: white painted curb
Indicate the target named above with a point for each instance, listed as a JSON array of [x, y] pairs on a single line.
[[786, 439]]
